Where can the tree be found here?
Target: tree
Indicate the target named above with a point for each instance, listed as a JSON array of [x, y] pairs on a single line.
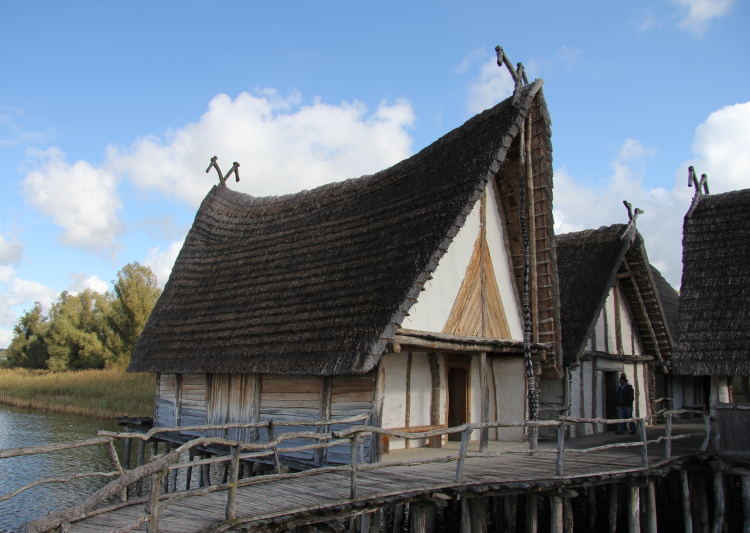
[[135, 294], [77, 331], [28, 347]]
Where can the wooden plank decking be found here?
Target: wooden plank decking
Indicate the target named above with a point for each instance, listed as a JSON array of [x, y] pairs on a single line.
[[327, 494]]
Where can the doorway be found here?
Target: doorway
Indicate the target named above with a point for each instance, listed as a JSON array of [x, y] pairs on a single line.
[[458, 394], [611, 380]]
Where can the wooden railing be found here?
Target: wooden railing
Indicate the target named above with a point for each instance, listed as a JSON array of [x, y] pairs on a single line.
[[160, 465]]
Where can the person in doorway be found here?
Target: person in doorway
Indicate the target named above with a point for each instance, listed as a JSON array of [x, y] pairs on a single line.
[[625, 397]]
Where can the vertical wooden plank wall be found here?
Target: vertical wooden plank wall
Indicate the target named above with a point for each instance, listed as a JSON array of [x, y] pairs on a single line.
[[193, 401], [165, 401], [350, 396]]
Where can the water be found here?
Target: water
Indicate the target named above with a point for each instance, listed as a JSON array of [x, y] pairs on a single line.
[[30, 427]]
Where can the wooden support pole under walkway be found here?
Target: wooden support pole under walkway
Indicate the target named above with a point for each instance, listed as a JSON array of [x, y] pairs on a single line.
[[532, 513], [613, 495], [556, 517], [718, 482], [687, 515], [746, 502], [650, 508], [634, 510]]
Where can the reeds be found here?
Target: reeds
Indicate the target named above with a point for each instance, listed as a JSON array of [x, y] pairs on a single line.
[[94, 393]]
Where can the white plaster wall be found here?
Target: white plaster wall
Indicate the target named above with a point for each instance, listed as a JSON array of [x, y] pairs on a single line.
[[599, 328], [510, 394], [719, 390], [434, 305], [499, 255], [475, 395], [609, 307], [626, 321], [421, 390], [394, 400]]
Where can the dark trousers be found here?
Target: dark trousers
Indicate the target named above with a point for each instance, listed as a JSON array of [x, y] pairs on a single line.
[[625, 412]]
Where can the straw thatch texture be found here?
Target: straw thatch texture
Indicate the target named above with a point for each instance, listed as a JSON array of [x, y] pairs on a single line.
[[589, 263], [713, 330], [670, 300], [319, 281]]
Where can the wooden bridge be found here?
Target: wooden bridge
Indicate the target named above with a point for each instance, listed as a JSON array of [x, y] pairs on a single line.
[[327, 497]]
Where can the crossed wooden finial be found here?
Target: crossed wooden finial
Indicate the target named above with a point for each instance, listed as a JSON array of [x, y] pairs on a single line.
[[223, 179], [632, 216], [693, 182], [518, 74]]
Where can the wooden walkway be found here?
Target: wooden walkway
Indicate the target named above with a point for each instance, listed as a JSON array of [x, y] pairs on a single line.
[[324, 497]]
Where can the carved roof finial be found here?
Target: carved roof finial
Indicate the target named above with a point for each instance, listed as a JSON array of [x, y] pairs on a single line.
[[701, 188], [222, 178], [518, 74], [632, 216]]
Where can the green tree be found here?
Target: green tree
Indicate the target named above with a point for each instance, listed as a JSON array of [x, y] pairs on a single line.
[[135, 294], [77, 331], [28, 347]]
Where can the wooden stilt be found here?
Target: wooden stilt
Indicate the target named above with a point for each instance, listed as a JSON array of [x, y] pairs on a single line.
[[365, 521], [687, 517], [592, 508], [532, 513], [746, 502], [702, 497], [354, 524], [634, 510], [141, 453], [496, 512], [465, 517], [651, 508], [718, 482], [509, 515], [398, 518], [567, 515], [418, 517], [556, 517], [126, 454], [376, 522], [478, 513], [189, 472], [613, 496]]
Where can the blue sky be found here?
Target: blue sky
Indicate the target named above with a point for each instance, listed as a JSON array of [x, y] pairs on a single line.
[[110, 112]]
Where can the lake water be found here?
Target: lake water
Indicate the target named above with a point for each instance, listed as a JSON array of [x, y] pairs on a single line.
[[29, 427]]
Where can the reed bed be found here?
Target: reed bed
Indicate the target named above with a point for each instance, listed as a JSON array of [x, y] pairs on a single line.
[[93, 393]]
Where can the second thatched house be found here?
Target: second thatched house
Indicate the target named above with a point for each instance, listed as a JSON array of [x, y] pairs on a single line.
[[613, 321], [395, 295]]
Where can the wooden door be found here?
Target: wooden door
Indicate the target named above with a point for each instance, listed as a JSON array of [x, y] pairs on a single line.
[[458, 394], [611, 380]]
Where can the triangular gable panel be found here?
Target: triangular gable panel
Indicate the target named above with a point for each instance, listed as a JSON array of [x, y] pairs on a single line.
[[471, 314]]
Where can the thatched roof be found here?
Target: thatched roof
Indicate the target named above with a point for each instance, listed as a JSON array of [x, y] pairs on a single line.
[[318, 282], [589, 264], [670, 300], [713, 330]]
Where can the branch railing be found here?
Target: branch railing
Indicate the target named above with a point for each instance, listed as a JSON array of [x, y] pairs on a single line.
[[160, 465]]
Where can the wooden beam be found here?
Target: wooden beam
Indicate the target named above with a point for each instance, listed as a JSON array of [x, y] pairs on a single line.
[[485, 403], [376, 447], [407, 406], [644, 311], [434, 442]]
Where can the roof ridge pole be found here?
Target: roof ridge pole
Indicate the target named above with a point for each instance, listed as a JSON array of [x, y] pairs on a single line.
[[701, 188]]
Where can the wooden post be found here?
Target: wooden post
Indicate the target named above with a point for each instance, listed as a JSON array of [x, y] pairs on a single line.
[[484, 434], [478, 514], [465, 517], [699, 483], [613, 496], [153, 501], [560, 448], [644, 443], [567, 515], [398, 518], [634, 510], [707, 438], [139, 462], [532, 512], [592, 507], [465, 435], [556, 518], [651, 508], [509, 513], [126, 454], [668, 436], [232, 492], [435, 442], [353, 444], [687, 517], [376, 443], [718, 525], [418, 517], [746, 502]]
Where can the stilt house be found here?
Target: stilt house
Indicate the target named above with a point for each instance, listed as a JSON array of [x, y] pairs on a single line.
[[397, 295], [713, 330], [612, 322]]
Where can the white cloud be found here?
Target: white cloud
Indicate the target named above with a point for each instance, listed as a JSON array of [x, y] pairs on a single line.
[[722, 149], [700, 12], [10, 252], [282, 146], [162, 262], [569, 55], [80, 198], [493, 85], [471, 58], [17, 294], [82, 282]]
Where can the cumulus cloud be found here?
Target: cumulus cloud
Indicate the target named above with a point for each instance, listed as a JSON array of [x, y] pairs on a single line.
[[81, 281], [17, 294], [80, 198], [722, 150], [10, 252], [699, 13], [569, 55], [161, 262], [494, 84], [282, 146]]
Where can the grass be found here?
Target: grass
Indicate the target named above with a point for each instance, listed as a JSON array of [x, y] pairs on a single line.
[[93, 393]]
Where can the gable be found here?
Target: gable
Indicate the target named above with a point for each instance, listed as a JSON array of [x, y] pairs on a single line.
[[616, 331]]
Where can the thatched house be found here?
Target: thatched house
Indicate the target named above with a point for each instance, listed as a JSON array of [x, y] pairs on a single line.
[[613, 321], [395, 295], [713, 329]]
